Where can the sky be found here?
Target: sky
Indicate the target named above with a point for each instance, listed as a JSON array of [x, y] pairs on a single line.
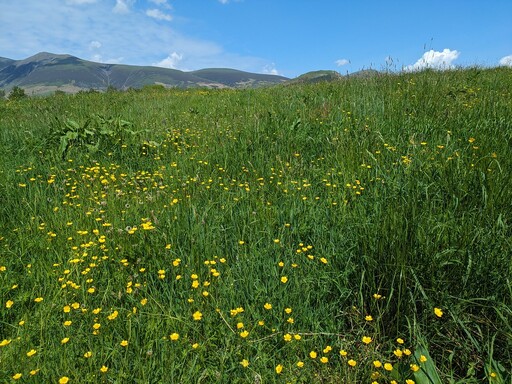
[[281, 37]]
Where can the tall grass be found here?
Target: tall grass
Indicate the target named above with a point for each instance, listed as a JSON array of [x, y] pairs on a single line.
[[354, 208]]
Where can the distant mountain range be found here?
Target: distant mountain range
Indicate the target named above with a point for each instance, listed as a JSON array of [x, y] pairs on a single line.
[[48, 72], [45, 73]]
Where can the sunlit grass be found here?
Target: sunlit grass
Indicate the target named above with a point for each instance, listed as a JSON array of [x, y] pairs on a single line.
[[356, 231]]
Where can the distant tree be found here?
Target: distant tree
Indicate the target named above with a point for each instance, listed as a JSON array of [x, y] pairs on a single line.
[[58, 92], [2, 94], [17, 93]]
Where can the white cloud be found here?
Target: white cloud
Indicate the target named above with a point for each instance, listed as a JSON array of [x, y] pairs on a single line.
[[94, 45], [342, 62], [123, 6], [271, 70], [506, 61], [159, 2], [435, 60], [170, 61], [159, 15]]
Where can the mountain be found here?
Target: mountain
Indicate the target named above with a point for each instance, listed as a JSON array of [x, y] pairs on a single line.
[[48, 72], [235, 79], [4, 62]]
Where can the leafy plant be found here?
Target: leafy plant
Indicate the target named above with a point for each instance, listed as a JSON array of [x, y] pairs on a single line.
[[92, 134]]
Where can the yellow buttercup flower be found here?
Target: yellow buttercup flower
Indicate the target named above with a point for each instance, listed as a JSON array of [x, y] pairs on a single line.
[[244, 334], [197, 315], [244, 363]]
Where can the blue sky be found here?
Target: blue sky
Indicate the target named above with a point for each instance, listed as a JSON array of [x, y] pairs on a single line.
[[265, 36]]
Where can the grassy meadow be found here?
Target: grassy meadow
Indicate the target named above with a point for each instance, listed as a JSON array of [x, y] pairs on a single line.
[[356, 231]]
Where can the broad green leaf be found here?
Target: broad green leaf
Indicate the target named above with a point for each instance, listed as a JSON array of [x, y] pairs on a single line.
[[428, 372]]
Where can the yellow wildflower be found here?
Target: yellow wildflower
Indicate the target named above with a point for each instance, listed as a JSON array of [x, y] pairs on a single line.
[[197, 315], [244, 363], [244, 334]]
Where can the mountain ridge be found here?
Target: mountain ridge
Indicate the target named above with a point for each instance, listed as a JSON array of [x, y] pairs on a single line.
[[45, 72]]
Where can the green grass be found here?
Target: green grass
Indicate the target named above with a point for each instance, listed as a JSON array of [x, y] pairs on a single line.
[[355, 208]]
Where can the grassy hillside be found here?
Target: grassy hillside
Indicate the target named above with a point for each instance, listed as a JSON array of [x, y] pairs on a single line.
[[355, 231]]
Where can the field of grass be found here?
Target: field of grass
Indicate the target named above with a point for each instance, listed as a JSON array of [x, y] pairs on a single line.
[[356, 231]]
